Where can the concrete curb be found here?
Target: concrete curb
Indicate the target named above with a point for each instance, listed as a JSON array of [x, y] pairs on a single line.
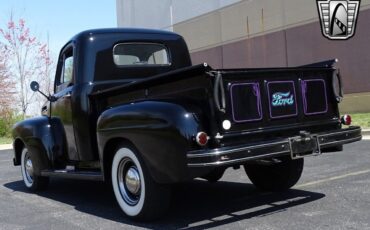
[[366, 132], [6, 147]]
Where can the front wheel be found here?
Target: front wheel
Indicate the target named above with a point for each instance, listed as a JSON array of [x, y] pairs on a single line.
[[30, 166], [138, 195], [276, 177]]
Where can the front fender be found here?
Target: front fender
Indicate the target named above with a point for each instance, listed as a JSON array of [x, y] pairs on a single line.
[[38, 135], [162, 131]]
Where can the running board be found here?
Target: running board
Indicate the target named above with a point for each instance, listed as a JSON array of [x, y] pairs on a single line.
[[71, 174]]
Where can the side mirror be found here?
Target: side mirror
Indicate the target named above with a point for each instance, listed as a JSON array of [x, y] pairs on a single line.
[[35, 86]]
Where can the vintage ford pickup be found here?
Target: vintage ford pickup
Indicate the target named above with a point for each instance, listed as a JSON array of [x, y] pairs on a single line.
[[130, 109]]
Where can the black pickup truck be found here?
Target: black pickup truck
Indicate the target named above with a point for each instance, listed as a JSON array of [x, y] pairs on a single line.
[[130, 109]]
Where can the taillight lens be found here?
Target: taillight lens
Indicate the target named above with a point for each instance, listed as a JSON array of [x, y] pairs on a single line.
[[346, 119], [202, 138]]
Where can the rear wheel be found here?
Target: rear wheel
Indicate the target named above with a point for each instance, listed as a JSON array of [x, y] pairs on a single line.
[[276, 177], [29, 167], [138, 195]]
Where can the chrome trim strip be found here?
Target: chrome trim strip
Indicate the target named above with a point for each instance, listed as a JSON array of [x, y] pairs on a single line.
[[343, 141], [235, 160], [240, 149], [73, 175], [343, 132]]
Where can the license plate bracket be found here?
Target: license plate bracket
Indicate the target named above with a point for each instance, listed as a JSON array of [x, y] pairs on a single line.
[[307, 145]]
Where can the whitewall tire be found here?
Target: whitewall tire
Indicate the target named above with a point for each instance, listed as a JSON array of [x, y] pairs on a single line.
[[126, 156], [27, 168], [30, 164], [138, 195]]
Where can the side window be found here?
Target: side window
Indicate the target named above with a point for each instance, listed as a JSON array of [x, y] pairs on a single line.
[[66, 72], [68, 69]]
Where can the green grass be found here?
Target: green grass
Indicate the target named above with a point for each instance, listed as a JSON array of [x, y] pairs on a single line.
[[5, 140], [361, 119]]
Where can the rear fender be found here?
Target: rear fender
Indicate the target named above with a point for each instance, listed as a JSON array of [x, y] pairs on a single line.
[[161, 131]]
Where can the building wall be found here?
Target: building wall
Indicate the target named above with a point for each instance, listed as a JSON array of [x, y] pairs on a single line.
[[260, 33], [151, 14], [298, 46]]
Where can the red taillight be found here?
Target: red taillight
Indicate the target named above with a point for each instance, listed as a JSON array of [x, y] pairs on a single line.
[[201, 138], [346, 119]]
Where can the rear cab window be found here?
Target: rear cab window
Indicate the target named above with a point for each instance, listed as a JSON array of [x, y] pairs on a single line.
[[141, 54]]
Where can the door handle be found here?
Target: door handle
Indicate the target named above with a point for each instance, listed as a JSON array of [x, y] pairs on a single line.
[[67, 95]]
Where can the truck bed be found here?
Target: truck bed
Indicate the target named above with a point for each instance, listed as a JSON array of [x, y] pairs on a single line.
[[274, 101]]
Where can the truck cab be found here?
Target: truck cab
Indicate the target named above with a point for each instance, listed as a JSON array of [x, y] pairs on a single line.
[[129, 108], [86, 65]]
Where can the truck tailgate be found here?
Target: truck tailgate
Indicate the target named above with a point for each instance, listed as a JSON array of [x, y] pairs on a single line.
[[279, 99]]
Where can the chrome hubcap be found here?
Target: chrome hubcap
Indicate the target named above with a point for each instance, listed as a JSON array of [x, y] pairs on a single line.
[[132, 180], [129, 181], [28, 168]]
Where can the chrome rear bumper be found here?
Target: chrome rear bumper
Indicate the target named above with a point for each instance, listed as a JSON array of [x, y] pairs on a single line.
[[311, 144]]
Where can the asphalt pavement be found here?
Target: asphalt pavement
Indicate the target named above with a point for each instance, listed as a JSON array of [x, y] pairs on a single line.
[[333, 193]]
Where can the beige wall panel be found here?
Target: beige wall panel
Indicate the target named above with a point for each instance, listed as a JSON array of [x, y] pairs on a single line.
[[234, 18], [234, 21], [298, 11], [184, 10], [365, 4], [264, 51], [224, 25], [277, 14], [273, 15], [201, 32], [230, 23]]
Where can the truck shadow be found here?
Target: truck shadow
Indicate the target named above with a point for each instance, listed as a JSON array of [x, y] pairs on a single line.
[[195, 205]]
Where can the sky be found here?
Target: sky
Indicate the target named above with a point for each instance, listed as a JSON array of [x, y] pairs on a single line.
[[61, 19]]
